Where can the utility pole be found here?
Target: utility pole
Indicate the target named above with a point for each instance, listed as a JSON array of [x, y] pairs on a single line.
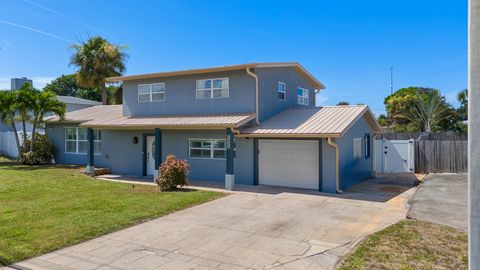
[[474, 135], [391, 80]]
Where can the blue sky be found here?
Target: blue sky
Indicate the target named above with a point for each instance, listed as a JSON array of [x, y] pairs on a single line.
[[348, 45]]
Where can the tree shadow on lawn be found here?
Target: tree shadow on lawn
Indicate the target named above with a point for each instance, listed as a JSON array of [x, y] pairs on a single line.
[[17, 166]]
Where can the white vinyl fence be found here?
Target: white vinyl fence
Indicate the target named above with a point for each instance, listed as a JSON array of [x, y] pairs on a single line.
[[8, 146], [394, 156]]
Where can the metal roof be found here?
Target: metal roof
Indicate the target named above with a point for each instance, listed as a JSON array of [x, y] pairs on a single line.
[[327, 121], [296, 65], [111, 117]]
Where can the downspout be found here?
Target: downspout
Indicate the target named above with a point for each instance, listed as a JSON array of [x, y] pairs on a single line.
[[337, 176], [256, 93]]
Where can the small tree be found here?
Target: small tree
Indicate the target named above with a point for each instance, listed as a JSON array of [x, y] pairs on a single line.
[[172, 173], [343, 103], [8, 112], [24, 104], [45, 103]]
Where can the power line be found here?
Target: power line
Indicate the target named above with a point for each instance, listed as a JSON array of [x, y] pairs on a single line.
[[62, 15], [36, 30]]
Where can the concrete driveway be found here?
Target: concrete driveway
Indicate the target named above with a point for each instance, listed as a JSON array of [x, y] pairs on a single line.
[[264, 228], [442, 199]]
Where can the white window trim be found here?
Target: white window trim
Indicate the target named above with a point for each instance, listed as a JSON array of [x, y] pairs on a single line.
[[304, 90], [360, 154], [211, 148], [97, 141], [212, 88], [284, 91], [77, 141], [151, 93]]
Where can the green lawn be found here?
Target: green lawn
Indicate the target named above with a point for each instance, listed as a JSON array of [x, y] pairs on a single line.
[[411, 244], [44, 208]]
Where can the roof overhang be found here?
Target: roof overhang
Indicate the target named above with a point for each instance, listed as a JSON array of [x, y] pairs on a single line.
[[200, 122], [324, 122], [111, 117], [317, 84]]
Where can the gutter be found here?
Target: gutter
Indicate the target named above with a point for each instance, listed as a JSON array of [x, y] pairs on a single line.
[[337, 177], [256, 94]]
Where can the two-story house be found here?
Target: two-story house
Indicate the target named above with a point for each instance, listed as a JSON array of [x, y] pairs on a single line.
[[248, 124]]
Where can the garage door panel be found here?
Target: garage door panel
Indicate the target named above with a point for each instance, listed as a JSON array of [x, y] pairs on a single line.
[[290, 163]]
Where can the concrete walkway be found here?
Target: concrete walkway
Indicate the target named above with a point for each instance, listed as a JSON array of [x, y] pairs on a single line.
[[281, 229], [442, 199]]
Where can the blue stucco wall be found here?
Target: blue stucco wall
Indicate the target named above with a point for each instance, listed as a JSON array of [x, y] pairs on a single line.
[[328, 167], [180, 96], [351, 171], [268, 79], [176, 142], [119, 153]]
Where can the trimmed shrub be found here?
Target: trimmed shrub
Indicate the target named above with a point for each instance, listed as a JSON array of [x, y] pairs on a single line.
[[172, 173], [43, 151]]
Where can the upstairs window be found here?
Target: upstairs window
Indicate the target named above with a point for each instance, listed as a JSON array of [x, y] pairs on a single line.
[[76, 140], [212, 88], [151, 92], [303, 97], [282, 91]]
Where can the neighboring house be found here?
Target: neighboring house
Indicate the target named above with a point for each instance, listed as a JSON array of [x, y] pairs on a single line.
[[248, 124], [75, 103], [7, 140]]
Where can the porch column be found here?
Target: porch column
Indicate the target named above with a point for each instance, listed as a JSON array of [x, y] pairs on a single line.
[[158, 151], [90, 166], [229, 175]]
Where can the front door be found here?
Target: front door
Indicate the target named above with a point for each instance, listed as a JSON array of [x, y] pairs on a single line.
[[151, 155]]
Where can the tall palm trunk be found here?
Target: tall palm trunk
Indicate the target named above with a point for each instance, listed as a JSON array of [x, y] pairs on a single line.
[[24, 126], [104, 94], [17, 140], [34, 128]]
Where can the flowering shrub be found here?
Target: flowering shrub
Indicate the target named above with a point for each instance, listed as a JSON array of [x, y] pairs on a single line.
[[43, 151], [172, 173]]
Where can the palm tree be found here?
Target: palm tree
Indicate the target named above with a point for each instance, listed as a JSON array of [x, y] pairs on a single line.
[[96, 60], [462, 97], [45, 103], [427, 109], [24, 103], [8, 112]]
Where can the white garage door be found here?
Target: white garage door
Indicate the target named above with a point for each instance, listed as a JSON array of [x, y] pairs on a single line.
[[288, 163]]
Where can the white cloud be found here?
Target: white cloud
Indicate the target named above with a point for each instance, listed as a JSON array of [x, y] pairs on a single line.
[[321, 99]]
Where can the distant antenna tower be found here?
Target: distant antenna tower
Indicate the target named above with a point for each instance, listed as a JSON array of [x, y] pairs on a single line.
[[391, 80]]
